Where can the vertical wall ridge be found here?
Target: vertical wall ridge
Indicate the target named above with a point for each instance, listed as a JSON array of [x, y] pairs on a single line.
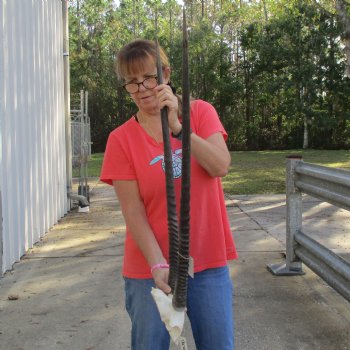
[[32, 125]]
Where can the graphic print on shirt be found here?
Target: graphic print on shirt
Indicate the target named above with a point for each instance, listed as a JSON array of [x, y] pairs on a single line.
[[177, 162]]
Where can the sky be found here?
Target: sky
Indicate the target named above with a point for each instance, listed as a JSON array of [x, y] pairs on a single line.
[[178, 1]]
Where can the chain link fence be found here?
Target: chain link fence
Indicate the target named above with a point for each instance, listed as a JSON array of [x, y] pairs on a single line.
[[81, 138]]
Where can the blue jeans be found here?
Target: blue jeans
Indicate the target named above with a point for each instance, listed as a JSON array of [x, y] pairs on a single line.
[[209, 309]]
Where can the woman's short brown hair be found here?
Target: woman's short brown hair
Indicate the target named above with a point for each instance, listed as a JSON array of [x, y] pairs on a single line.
[[134, 56]]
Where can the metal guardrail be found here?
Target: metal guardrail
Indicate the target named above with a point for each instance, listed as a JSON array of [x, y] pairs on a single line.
[[330, 185]]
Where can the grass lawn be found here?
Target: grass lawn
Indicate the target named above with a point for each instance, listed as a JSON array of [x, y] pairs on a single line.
[[261, 172], [94, 166], [264, 172]]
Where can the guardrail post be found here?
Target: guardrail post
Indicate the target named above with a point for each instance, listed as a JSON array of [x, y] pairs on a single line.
[[293, 265]]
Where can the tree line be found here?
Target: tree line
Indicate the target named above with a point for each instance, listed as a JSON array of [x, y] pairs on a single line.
[[277, 71]]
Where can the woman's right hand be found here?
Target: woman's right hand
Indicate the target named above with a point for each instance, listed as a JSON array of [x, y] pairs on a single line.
[[161, 277]]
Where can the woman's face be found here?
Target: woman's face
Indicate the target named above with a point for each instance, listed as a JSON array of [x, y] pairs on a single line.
[[146, 99]]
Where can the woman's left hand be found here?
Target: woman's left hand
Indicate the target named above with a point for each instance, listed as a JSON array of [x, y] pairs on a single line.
[[168, 99]]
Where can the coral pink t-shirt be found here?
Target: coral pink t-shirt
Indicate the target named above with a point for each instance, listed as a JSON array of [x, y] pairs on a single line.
[[131, 154]]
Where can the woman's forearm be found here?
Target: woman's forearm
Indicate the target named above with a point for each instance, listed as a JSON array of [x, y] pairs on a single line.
[[143, 235], [211, 153], [136, 220]]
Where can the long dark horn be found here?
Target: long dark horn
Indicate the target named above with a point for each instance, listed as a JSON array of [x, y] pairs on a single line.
[[180, 295], [170, 191]]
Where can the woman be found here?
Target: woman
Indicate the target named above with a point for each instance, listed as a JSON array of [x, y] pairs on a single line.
[[133, 164]]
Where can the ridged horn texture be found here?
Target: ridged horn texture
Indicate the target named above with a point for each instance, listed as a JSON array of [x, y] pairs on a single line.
[[173, 229], [180, 294]]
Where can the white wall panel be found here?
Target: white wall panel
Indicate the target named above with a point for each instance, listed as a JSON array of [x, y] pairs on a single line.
[[33, 187], [2, 109]]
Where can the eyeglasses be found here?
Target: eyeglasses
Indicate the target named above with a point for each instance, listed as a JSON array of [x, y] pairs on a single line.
[[148, 83]]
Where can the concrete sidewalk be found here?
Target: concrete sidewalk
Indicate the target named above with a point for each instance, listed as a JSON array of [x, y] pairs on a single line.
[[67, 292]]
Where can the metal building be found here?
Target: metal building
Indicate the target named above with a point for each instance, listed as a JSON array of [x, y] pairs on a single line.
[[33, 177]]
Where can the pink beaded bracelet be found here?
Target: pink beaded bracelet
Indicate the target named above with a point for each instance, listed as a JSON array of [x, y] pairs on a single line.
[[159, 266]]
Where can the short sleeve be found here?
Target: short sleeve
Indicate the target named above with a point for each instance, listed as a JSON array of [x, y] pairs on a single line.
[[117, 164], [206, 120]]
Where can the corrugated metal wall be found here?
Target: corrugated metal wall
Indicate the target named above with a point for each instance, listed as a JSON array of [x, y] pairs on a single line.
[[32, 124]]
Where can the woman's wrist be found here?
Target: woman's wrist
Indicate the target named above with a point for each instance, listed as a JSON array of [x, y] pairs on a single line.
[[159, 266], [179, 134]]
